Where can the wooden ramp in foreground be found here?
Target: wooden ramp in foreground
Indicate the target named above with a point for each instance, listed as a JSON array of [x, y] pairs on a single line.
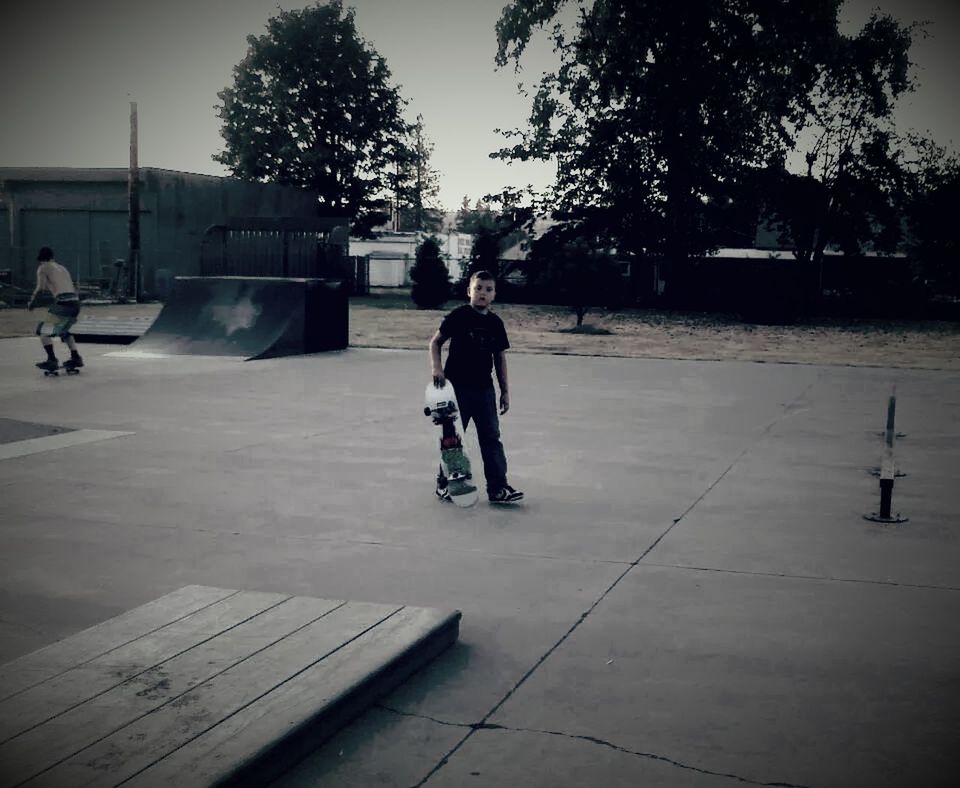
[[205, 686]]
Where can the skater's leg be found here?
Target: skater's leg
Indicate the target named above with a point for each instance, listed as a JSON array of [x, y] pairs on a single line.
[[47, 343], [66, 315], [75, 358], [480, 406], [50, 363]]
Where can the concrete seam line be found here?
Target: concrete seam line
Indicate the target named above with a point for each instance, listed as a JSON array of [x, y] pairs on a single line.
[[63, 440]]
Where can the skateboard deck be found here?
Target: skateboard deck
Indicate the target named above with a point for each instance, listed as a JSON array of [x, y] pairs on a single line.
[[55, 371], [441, 407]]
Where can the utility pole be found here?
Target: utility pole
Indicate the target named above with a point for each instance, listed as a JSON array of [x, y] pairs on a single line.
[[133, 194], [395, 219]]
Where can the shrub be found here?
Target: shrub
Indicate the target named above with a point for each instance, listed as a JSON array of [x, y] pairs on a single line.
[[431, 280]]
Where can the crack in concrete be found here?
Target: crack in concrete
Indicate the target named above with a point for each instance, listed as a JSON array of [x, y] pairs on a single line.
[[646, 755], [787, 410], [489, 726], [790, 576], [446, 723]]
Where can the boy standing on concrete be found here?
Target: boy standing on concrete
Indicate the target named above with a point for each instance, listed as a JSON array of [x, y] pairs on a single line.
[[478, 340], [66, 306]]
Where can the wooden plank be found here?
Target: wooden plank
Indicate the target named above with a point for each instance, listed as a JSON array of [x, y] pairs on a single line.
[[138, 746], [258, 743], [102, 326], [229, 692], [107, 323], [31, 669], [106, 713], [111, 331], [71, 688]]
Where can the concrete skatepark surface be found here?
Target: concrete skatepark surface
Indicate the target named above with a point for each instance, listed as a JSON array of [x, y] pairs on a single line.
[[689, 596]]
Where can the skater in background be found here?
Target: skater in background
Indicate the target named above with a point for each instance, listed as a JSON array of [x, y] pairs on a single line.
[[478, 340], [66, 306]]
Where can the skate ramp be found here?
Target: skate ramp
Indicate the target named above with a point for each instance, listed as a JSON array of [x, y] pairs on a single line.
[[249, 317], [207, 686]]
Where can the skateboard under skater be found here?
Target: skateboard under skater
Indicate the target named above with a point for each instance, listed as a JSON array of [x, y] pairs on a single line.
[[441, 407], [52, 368]]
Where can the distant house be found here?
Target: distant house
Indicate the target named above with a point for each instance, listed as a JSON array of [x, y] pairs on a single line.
[[83, 215], [391, 255]]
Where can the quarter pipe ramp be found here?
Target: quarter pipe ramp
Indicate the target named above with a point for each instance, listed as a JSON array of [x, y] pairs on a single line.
[[250, 317]]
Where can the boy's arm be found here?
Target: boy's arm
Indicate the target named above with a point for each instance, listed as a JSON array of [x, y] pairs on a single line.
[[500, 365], [436, 364]]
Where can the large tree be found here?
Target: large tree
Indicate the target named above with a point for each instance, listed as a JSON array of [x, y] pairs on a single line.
[[933, 193], [417, 187], [850, 193], [471, 220], [312, 105], [659, 107], [497, 222]]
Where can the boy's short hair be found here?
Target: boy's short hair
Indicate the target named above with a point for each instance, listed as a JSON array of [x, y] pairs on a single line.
[[482, 275], [45, 254]]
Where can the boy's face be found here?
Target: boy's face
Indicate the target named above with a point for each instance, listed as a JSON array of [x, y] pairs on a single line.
[[482, 292]]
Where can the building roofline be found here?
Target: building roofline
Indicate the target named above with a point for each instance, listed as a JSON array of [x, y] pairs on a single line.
[[91, 174]]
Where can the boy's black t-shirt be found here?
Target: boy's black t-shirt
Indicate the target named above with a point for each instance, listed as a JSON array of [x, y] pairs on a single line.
[[474, 338]]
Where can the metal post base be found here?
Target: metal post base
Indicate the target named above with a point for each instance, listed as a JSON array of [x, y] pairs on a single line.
[[876, 517]]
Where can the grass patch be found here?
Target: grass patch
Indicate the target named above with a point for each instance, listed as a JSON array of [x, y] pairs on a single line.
[[386, 298], [586, 328]]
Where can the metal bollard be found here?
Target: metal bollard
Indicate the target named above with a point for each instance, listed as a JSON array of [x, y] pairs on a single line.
[[888, 470]]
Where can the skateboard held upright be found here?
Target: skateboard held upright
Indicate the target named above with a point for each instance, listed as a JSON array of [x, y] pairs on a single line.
[[441, 407]]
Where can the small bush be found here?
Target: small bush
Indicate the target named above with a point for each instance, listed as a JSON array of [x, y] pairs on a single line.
[[431, 280]]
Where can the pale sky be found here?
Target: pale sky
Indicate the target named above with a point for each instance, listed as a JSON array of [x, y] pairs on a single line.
[[70, 69]]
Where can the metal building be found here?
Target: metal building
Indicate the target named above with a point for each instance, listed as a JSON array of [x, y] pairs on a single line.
[[83, 215]]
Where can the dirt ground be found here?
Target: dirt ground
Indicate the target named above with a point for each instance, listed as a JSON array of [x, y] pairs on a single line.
[[389, 320]]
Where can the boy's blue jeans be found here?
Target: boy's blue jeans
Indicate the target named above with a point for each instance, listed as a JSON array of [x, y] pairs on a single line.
[[480, 405]]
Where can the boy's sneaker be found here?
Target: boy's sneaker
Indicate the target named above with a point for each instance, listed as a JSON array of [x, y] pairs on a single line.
[[49, 365], [506, 494], [74, 362], [443, 494]]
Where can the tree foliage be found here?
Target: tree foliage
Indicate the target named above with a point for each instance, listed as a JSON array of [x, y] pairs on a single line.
[[431, 280], [471, 220], [484, 254], [417, 184], [497, 222], [851, 192], [575, 273], [312, 105], [659, 107], [933, 194]]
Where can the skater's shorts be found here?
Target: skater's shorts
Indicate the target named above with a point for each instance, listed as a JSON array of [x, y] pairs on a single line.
[[65, 309]]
